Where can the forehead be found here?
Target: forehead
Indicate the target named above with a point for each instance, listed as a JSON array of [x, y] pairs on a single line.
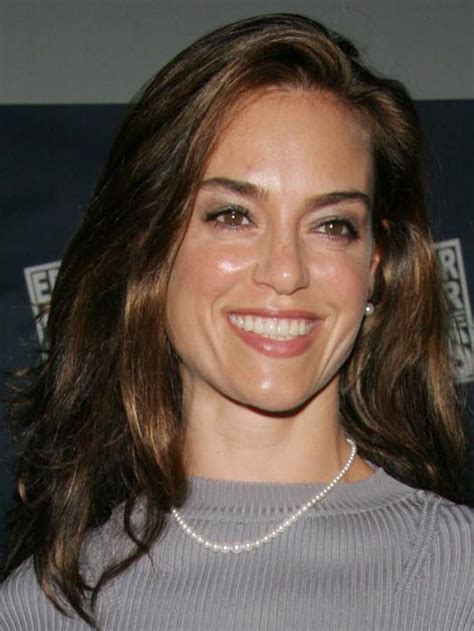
[[293, 136]]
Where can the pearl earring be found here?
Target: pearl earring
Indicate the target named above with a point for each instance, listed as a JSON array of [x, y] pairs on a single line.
[[369, 309]]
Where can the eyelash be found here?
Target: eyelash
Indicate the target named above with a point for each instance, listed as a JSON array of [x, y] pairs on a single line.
[[227, 212], [213, 216], [352, 231]]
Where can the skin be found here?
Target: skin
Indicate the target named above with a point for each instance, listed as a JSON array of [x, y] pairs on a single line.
[[251, 415]]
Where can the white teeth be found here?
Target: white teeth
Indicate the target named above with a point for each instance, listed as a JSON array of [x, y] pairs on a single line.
[[273, 328], [259, 326], [248, 323], [294, 327], [283, 328], [269, 327]]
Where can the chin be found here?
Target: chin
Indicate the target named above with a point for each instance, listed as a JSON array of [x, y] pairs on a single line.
[[270, 403], [285, 397]]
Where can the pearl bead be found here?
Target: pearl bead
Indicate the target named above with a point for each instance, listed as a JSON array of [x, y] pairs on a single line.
[[369, 309]]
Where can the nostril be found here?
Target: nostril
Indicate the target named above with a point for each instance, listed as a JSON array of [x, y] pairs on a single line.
[[285, 269]]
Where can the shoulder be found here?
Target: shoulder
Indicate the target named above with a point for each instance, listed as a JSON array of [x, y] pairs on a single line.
[[443, 526], [451, 522], [436, 581], [20, 588], [453, 531], [25, 607], [456, 515], [442, 551], [436, 532]]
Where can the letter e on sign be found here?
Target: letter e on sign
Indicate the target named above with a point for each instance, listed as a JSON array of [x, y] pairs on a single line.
[[40, 281]]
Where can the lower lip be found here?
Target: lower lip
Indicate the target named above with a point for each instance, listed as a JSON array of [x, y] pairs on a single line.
[[277, 348]]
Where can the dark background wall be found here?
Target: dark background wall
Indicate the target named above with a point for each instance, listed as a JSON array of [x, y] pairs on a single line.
[[68, 67]]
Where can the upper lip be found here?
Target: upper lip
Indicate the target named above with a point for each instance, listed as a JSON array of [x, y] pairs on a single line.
[[300, 314]]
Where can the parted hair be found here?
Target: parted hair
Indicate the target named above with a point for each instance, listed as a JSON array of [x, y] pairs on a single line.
[[97, 424]]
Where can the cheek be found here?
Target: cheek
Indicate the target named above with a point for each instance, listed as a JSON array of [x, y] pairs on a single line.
[[343, 278], [202, 274]]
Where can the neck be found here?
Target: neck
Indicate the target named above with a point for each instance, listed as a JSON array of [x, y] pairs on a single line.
[[228, 441]]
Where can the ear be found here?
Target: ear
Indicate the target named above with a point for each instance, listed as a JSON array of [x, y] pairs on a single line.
[[374, 263], [376, 258]]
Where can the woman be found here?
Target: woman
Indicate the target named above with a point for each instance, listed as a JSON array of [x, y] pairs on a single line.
[[247, 341]]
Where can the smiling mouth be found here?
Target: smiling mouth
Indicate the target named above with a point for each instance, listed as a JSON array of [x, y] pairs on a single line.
[[280, 329]]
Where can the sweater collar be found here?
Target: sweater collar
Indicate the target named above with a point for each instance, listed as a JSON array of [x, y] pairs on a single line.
[[211, 497]]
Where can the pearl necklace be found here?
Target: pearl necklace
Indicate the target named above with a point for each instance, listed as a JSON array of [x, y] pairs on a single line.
[[247, 546]]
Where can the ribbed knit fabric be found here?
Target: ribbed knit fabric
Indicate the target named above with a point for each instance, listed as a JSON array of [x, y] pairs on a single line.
[[372, 555]]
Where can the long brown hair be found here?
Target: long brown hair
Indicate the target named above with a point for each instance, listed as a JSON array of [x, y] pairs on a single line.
[[98, 424]]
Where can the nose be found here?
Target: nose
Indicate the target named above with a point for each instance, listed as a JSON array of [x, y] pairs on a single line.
[[281, 264]]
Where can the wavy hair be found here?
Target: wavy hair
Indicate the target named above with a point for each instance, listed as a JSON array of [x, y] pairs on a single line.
[[97, 424]]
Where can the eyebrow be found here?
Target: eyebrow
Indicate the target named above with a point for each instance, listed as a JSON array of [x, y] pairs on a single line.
[[247, 189]]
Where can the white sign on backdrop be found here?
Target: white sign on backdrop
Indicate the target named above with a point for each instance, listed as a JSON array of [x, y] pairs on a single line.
[[455, 287], [40, 281]]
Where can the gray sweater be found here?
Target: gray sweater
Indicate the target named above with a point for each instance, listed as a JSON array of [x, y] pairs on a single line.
[[374, 555]]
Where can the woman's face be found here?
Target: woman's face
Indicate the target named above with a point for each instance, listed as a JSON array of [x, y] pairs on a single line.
[[268, 289]]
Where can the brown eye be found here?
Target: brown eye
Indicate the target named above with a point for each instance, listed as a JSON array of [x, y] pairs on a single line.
[[336, 228], [232, 217]]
